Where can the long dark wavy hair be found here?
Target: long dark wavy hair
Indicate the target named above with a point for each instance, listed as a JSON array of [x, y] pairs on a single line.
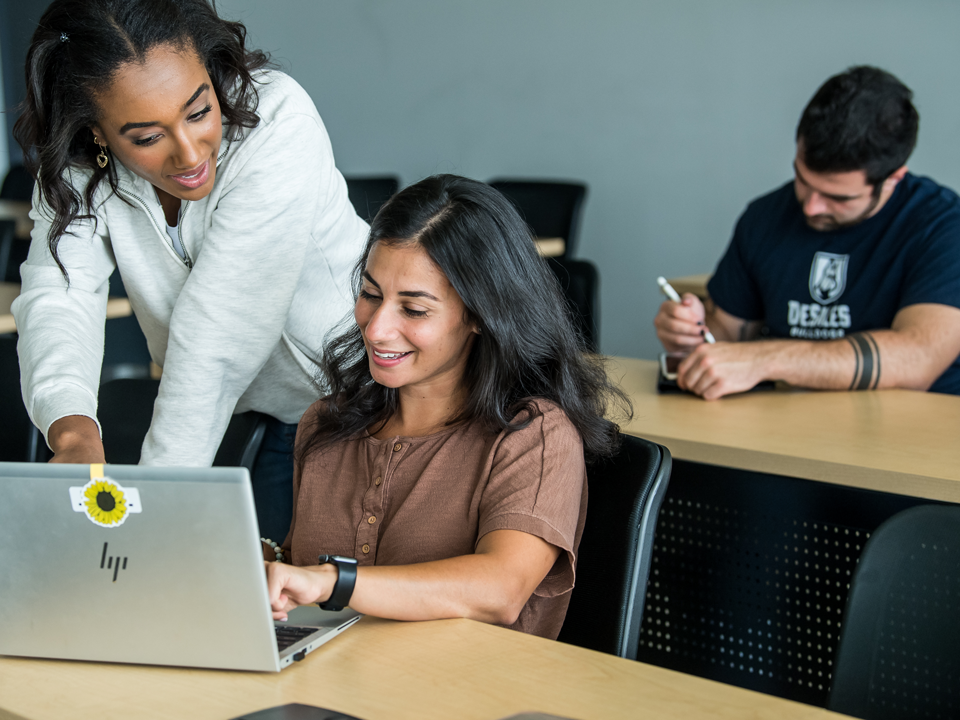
[[75, 53], [527, 347]]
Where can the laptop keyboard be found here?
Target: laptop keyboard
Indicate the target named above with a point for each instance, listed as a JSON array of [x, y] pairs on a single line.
[[287, 635]]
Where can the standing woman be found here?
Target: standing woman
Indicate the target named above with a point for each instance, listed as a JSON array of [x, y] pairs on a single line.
[[163, 146]]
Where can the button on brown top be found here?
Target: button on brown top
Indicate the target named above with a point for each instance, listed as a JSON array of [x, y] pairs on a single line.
[[365, 548], [398, 447], [446, 491], [378, 480]]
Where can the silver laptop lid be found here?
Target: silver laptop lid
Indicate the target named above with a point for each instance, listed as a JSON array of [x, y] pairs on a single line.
[[148, 565]]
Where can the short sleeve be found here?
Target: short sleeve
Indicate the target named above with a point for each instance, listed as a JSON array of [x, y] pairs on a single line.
[[538, 486], [732, 287], [933, 273]]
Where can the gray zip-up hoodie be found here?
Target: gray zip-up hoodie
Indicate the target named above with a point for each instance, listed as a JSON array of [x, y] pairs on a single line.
[[236, 324]]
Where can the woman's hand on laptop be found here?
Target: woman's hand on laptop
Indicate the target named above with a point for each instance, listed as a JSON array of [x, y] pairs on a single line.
[[289, 586]]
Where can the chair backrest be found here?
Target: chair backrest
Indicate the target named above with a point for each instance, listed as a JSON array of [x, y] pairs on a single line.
[[551, 209], [125, 351], [580, 283], [17, 185], [613, 562], [15, 425], [368, 194], [125, 410], [899, 652]]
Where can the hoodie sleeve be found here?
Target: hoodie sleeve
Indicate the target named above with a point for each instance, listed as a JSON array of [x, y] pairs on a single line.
[[61, 324]]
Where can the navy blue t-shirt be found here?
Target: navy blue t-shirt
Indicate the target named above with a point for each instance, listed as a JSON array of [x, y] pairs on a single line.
[[815, 285]]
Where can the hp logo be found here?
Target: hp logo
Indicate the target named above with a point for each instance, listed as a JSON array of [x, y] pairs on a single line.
[[112, 562]]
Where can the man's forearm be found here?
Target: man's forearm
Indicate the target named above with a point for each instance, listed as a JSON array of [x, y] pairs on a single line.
[[824, 365], [860, 361]]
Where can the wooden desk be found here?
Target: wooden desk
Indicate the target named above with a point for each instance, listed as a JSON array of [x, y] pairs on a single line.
[[551, 247], [895, 441], [116, 308], [19, 212], [696, 284], [387, 670]]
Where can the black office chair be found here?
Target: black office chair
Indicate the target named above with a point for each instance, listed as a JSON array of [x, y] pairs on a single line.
[[125, 351], [899, 652], [16, 430], [17, 185], [580, 283], [125, 409], [616, 550], [551, 209], [368, 194]]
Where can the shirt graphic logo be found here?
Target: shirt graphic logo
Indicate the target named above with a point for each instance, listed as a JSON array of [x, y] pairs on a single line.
[[828, 276]]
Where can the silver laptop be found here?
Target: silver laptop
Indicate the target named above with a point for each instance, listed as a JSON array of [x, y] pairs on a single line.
[[161, 566]]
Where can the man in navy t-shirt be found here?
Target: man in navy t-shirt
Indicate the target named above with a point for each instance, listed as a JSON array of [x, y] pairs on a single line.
[[852, 270]]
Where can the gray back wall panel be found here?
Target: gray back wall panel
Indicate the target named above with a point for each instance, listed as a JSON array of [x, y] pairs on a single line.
[[675, 112]]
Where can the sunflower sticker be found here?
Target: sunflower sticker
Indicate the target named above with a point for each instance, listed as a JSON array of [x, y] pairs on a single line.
[[104, 501]]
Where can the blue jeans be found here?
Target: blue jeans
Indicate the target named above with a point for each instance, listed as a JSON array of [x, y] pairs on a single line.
[[273, 480]]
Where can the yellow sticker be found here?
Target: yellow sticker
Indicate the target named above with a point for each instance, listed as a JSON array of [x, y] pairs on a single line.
[[104, 501]]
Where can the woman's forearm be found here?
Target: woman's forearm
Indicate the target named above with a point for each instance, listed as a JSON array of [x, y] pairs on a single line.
[[75, 439], [491, 585]]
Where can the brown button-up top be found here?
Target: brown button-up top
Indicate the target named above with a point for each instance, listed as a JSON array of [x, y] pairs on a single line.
[[408, 500]]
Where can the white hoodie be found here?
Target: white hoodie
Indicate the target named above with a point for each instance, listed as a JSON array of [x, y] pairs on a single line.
[[235, 326]]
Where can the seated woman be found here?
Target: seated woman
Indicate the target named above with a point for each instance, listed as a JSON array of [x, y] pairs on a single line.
[[448, 458]]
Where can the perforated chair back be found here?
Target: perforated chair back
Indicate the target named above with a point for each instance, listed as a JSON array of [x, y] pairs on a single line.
[[616, 550], [368, 194], [899, 652], [125, 410], [551, 209]]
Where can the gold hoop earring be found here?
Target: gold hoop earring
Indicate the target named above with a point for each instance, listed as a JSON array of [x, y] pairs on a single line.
[[102, 158]]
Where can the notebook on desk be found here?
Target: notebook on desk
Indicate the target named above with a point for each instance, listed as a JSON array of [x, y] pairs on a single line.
[[159, 566]]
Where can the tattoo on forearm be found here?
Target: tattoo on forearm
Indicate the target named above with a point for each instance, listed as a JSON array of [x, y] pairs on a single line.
[[866, 371]]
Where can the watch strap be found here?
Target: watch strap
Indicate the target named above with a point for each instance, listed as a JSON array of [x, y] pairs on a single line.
[[343, 587]]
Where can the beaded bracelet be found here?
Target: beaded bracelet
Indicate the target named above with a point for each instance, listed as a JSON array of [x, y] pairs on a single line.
[[276, 548]]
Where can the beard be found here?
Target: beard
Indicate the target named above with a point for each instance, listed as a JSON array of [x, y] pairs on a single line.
[[826, 222]]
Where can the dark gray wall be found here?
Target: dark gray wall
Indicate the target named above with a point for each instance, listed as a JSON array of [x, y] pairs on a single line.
[[675, 112], [18, 19]]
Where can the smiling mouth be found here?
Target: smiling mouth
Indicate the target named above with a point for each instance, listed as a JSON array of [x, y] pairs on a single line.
[[390, 356], [193, 179]]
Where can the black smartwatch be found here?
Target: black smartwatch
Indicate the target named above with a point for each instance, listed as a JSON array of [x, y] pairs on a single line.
[[346, 579]]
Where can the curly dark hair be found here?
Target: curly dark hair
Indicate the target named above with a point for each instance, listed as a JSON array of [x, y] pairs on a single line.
[[861, 119], [527, 349], [76, 51]]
